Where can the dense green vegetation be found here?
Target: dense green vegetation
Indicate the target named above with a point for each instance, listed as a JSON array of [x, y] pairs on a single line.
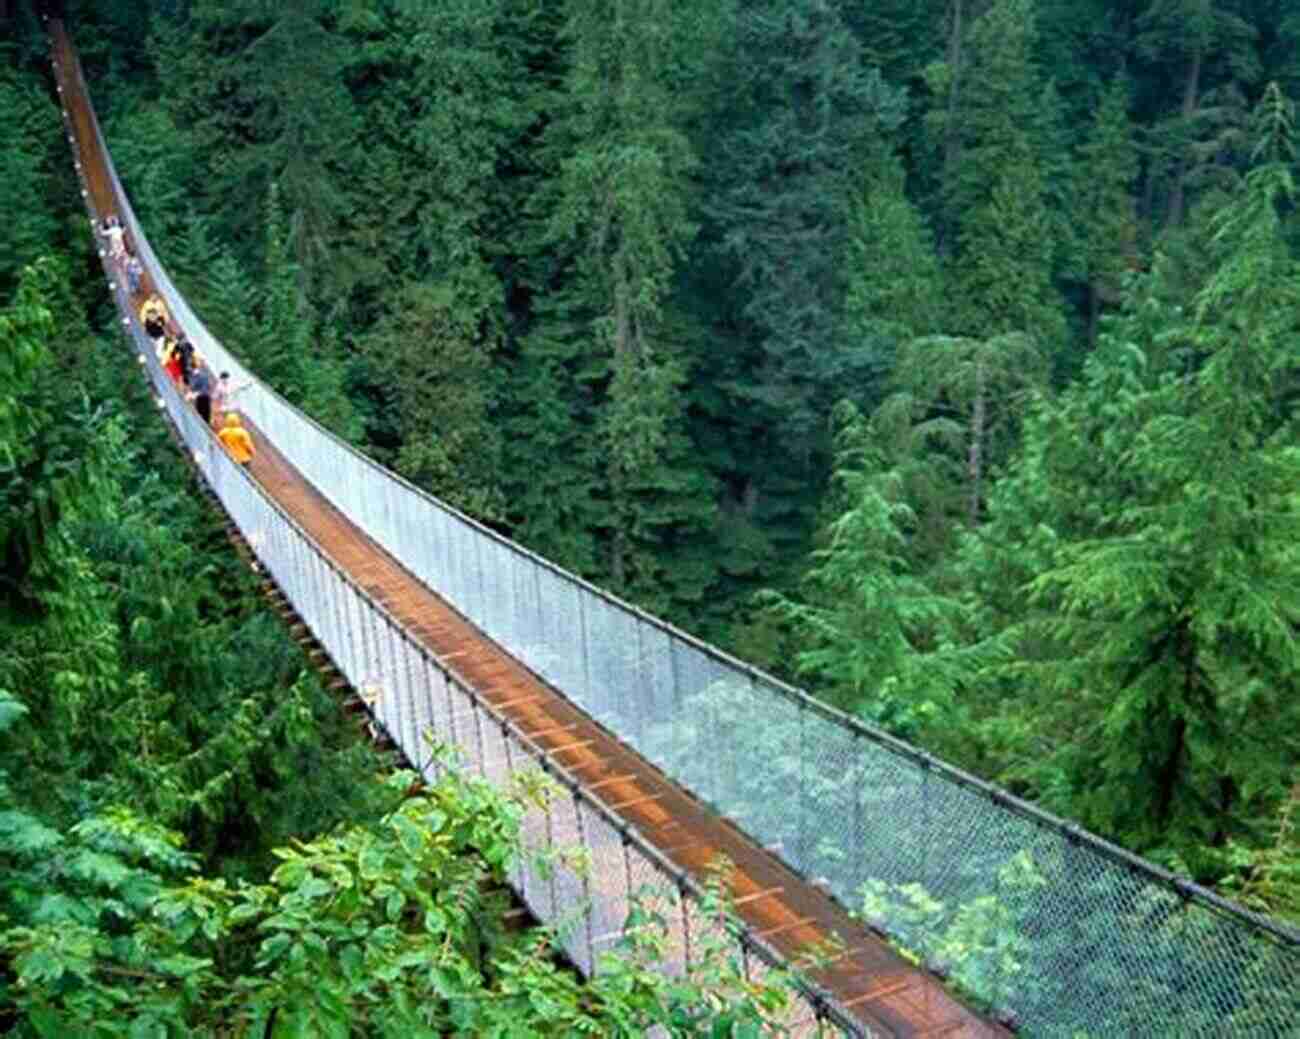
[[193, 841], [941, 355]]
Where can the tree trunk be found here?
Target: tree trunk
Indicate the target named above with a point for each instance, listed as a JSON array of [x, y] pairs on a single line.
[[619, 452], [618, 559], [1227, 798], [975, 460], [1191, 87], [1094, 312], [952, 140], [1169, 772], [1171, 769]]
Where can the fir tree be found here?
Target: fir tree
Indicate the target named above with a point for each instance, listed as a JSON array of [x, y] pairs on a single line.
[[895, 286], [979, 385], [272, 80], [873, 634], [1105, 206], [437, 368], [619, 219], [27, 121], [996, 195], [1196, 34], [801, 106], [1169, 619]]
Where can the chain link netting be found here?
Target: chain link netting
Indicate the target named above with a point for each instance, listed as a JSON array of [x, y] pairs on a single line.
[[1023, 912]]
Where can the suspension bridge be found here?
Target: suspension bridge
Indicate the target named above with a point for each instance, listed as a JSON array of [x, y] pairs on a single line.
[[671, 756]]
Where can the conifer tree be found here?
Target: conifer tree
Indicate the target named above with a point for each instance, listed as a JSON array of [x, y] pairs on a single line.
[[618, 219], [1104, 203], [266, 93], [445, 105], [45, 461], [440, 388], [1196, 34], [996, 194], [791, 115], [1169, 514], [27, 121], [895, 286], [873, 634], [801, 105], [981, 387]]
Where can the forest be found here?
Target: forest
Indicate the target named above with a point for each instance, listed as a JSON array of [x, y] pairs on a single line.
[[939, 356]]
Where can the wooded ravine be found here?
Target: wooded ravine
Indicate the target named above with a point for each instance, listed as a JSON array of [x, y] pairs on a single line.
[[941, 357]]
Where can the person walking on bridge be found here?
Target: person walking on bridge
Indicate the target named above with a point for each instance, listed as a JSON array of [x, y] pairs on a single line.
[[223, 392], [201, 384], [115, 234], [134, 274], [237, 440], [172, 362]]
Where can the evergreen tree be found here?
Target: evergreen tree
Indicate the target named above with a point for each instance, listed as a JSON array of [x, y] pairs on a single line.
[[267, 97], [1195, 34], [27, 123], [896, 289], [801, 108], [981, 386], [996, 194], [871, 632], [617, 224], [899, 37], [1105, 205], [1168, 622], [791, 115], [445, 107], [436, 368], [45, 461]]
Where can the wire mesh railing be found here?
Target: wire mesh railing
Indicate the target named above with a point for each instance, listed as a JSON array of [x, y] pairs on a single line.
[[419, 701], [1021, 910]]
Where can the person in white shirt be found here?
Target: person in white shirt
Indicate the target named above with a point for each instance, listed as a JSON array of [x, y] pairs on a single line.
[[115, 233], [222, 393]]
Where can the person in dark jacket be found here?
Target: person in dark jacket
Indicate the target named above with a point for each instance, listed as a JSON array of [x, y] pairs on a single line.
[[186, 351], [201, 389]]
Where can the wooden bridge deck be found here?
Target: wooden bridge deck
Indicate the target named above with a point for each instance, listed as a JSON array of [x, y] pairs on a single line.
[[888, 994]]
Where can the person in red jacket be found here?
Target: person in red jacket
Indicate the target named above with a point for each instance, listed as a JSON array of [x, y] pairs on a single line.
[[172, 366]]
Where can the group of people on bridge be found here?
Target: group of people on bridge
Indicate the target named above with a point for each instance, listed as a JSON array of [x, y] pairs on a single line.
[[188, 369]]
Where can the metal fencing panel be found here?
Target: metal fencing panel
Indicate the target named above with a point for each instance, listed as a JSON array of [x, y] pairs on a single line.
[[1021, 909]]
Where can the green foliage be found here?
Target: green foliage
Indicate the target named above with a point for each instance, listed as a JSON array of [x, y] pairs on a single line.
[[600, 276], [896, 289], [1107, 169], [271, 76], [983, 944], [608, 488], [441, 399], [28, 123], [388, 930], [799, 104], [1160, 610], [872, 635], [45, 462], [996, 192]]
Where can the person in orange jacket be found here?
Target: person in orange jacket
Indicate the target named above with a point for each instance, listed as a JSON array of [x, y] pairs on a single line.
[[237, 440]]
